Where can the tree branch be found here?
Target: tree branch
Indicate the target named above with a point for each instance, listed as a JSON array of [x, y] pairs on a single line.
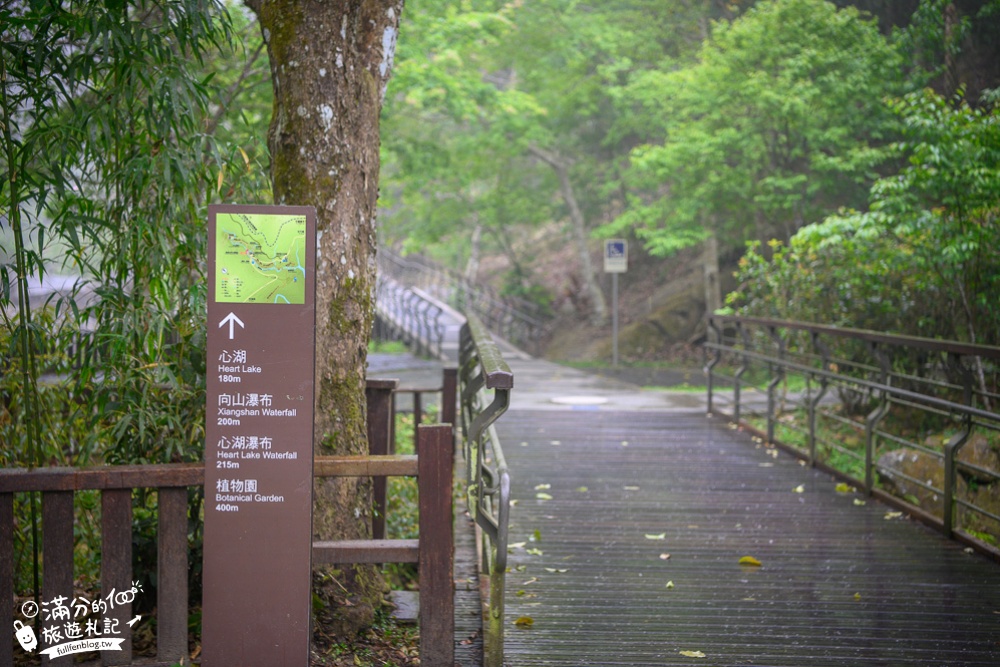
[[561, 166]]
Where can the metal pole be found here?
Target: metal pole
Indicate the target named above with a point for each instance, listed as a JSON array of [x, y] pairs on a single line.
[[614, 320]]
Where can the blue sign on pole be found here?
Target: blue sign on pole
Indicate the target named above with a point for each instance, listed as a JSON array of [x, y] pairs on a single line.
[[615, 256]]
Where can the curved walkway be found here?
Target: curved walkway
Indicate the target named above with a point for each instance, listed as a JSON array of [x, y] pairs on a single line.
[[634, 512]]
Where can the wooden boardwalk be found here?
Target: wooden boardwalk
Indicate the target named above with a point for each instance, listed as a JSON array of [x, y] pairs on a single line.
[[635, 559], [632, 555]]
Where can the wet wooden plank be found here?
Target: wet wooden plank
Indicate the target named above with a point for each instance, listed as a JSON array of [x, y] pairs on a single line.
[[840, 583], [365, 551], [102, 477], [407, 606], [365, 466]]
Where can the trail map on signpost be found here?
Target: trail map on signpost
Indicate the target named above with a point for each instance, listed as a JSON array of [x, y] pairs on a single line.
[[260, 258], [259, 391]]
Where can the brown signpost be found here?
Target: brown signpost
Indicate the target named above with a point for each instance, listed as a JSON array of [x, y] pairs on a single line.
[[259, 436]]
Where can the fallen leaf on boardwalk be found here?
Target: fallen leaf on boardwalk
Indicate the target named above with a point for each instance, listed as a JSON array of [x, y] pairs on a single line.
[[892, 515], [516, 545], [543, 496], [750, 560], [661, 536], [857, 596], [554, 570], [524, 622], [583, 489], [664, 556], [844, 488], [631, 488], [693, 654], [670, 584], [858, 502], [536, 536], [624, 443], [530, 581], [525, 594], [555, 443], [543, 487], [801, 488], [534, 552]]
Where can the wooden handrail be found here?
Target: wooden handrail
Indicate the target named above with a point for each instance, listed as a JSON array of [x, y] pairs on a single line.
[[432, 552]]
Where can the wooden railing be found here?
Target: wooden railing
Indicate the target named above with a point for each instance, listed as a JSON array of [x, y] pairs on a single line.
[[432, 551], [116, 484]]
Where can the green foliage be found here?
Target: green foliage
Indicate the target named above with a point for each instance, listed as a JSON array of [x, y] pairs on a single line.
[[109, 174], [116, 134], [923, 260], [451, 135], [776, 124], [540, 75]]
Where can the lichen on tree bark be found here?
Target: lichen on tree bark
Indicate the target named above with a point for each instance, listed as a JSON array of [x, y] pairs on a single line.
[[330, 62]]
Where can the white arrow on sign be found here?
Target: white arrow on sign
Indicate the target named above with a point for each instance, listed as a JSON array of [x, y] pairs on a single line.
[[231, 319]]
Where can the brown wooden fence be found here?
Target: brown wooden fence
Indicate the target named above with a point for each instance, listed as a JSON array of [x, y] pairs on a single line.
[[432, 551]]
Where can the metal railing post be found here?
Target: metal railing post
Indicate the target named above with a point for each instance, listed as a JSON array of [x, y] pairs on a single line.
[[482, 368], [777, 373], [716, 357], [874, 417], [814, 400], [744, 365]]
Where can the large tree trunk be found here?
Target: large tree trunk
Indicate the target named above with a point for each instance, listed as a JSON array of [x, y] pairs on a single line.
[[330, 63]]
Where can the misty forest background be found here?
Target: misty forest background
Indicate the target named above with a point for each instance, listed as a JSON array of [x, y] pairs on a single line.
[[842, 160]]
